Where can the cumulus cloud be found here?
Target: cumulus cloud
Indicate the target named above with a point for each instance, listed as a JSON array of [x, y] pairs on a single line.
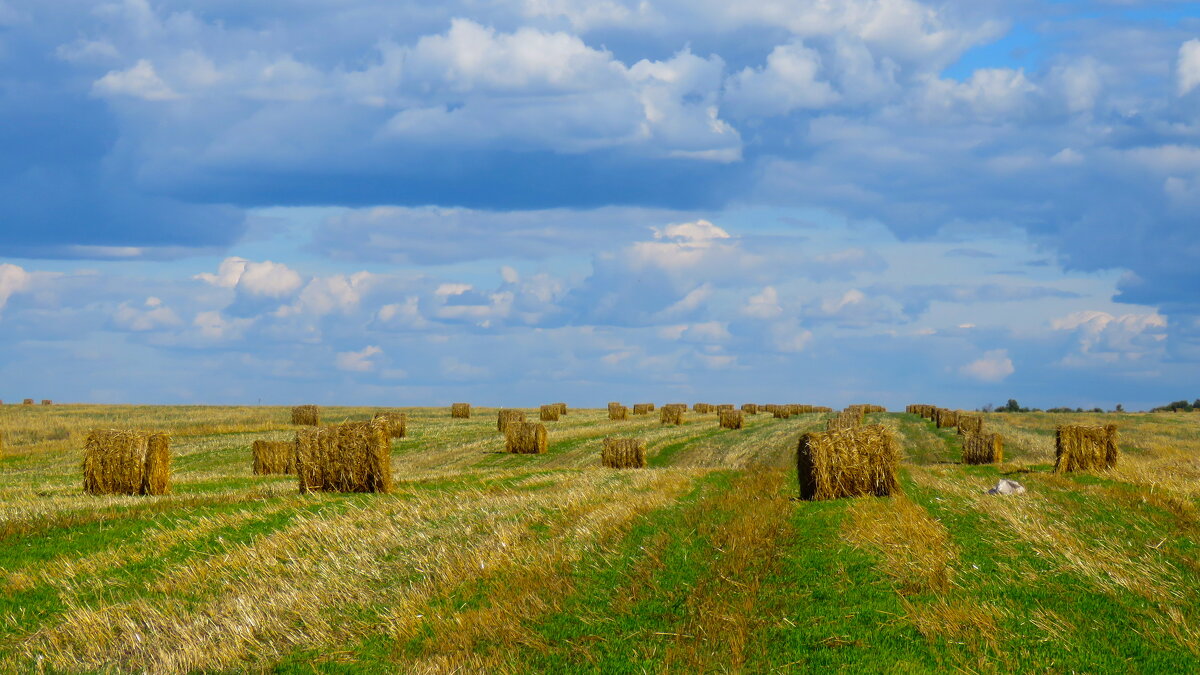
[[993, 366], [763, 305], [140, 81], [1187, 67], [265, 279], [358, 361], [1108, 338], [13, 279], [152, 315], [789, 80]]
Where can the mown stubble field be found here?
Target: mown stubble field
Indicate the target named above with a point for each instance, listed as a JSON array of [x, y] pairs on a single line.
[[703, 562]]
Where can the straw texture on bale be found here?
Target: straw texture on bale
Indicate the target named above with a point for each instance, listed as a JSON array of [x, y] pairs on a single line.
[[847, 463], [349, 457], [308, 415], [273, 457], [47, 401], [945, 418], [642, 408], [548, 413], [122, 462], [731, 419], [395, 422], [847, 419], [460, 411], [926, 411], [725, 406], [781, 413], [562, 408], [27, 401], [981, 448], [702, 408], [670, 415], [750, 408], [623, 453], [527, 438], [618, 412], [506, 417], [969, 424], [1082, 448]]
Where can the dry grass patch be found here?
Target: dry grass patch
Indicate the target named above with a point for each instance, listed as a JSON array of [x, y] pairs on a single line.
[[308, 415], [916, 549]]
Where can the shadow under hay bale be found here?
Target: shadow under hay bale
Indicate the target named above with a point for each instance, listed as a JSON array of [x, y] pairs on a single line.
[[349, 457], [1083, 448], [617, 412], [396, 422], [273, 457], [750, 408], [308, 415], [847, 463], [122, 462], [670, 415], [549, 413], [642, 408], [730, 419], [525, 438], [981, 448], [507, 417], [623, 453], [460, 411]]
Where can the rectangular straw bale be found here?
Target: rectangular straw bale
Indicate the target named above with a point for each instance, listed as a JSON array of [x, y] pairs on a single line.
[[969, 424], [781, 413], [506, 417], [27, 401], [724, 406], [847, 463], [273, 457], [312, 447], [623, 453], [562, 408], [943, 418], [528, 438], [460, 411], [396, 423], [117, 461], [47, 401], [701, 408], [361, 458], [730, 419], [614, 404], [670, 415], [642, 408], [1082, 448], [983, 448], [750, 408], [549, 413], [308, 415], [847, 419], [618, 412]]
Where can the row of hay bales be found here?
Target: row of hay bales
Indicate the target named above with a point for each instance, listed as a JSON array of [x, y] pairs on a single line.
[[29, 401], [979, 446]]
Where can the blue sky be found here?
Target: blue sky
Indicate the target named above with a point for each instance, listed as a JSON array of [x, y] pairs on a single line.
[[519, 201]]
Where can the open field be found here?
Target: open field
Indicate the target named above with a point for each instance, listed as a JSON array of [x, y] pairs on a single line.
[[704, 561]]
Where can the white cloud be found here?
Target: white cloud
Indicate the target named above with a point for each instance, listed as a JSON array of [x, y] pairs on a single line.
[[790, 80], [326, 295], [764, 305], [1187, 67], [214, 326], [359, 361], [1108, 338], [993, 366], [13, 279], [263, 279], [139, 81], [153, 315]]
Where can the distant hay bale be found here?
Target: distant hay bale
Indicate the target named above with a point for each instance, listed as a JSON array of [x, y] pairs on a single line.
[[867, 408], [847, 463], [642, 408], [730, 419], [750, 408], [981, 448], [623, 453], [396, 422], [348, 457], [273, 457], [27, 401], [460, 411], [47, 401], [562, 408], [123, 462], [944, 418], [702, 408], [781, 413], [670, 415], [926, 411], [506, 417], [308, 415], [618, 412], [527, 438], [847, 419], [614, 404], [549, 413], [1081, 448], [969, 424], [724, 406]]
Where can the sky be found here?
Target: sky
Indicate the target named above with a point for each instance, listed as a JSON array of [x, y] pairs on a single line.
[[512, 202]]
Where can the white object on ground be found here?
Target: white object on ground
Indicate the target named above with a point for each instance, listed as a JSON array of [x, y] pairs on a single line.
[[1007, 487]]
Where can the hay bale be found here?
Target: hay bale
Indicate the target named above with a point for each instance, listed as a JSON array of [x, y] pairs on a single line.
[[549, 413], [702, 408], [847, 463], [562, 408], [730, 419], [47, 401], [27, 401], [123, 462], [969, 424], [724, 407], [781, 413], [619, 412], [348, 457], [527, 438], [507, 417], [396, 423], [924, 410], [308, 415], [750, 408], [460, 411], [981, 448], [670, 415], [1082, 448], [944, 418], [273, 457], [642, 408], [847, 419], [623, 453]]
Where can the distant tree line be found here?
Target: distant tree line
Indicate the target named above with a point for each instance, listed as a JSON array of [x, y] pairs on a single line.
[[1013, 406], [1178, 406]]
